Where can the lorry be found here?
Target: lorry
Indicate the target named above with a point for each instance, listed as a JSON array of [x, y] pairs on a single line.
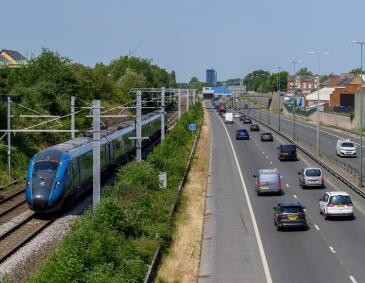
[[228, 118]]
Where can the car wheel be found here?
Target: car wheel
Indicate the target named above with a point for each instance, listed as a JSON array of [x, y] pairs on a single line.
[[325, 216], [278, 228]]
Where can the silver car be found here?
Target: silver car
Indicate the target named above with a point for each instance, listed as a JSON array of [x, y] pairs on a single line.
[[268, 181], [311, 177]]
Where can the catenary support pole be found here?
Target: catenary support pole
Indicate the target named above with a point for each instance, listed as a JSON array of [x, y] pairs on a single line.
[[163, 114], [187, 99], [179, 104], [96, 153], [72, 117], [139, 126], [9, 136], [194, 93]]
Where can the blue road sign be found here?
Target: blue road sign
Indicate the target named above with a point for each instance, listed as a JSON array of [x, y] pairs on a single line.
[[192, 127]]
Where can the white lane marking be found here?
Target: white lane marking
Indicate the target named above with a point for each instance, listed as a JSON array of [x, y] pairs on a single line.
[[305, 210], [295, 196], [287, 185], [270, 162], [332, 250], [352, 278], [267, 157], [254, 223], [317, 227], [263, 152]]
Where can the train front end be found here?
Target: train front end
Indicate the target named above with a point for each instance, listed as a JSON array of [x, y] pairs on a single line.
[[45, 190]]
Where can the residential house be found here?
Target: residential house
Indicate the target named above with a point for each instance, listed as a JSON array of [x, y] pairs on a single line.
[[12, 59], [303, 84]]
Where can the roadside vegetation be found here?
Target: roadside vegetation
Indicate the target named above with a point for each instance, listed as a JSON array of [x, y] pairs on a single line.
[[181, 261], [46, 84], [116, 243]]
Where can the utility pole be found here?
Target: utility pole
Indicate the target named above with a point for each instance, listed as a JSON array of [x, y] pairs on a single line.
[[163, 114], [9, 136], [179, 104], [139, 126], [187, 99], [278, 89], [72, 117], [194, 93], [96, 153], [295, 100]]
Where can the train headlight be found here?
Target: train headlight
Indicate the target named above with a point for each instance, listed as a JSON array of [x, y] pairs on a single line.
[[58, 183], [28, 183]]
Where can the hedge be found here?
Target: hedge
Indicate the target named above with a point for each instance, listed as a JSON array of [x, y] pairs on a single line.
[[116, 243]]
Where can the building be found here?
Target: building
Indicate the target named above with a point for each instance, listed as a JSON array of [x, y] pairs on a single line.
[[211, 77], [12, 59], [303, 83]]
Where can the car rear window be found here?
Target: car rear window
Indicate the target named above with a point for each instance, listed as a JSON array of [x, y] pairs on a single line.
[[269, 178], [289, 147], [340, 200], [313, 172], [266, 134], [292, 209]]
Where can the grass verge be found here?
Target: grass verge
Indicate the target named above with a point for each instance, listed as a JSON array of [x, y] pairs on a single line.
[[181, 263], [116, 243]]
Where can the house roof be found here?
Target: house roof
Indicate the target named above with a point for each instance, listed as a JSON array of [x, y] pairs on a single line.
[[305, 78], [14, 54], [324, 94]]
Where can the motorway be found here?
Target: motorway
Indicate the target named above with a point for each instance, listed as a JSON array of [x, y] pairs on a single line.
[[234, 251], [308, 133]]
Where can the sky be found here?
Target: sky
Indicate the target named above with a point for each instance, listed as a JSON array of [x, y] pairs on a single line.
[[234, 37]]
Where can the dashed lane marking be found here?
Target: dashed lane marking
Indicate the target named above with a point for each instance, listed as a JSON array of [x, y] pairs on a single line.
[[295, 196], [332, 249], [287, 185], [317, 227], [270, 162], [352, 278]]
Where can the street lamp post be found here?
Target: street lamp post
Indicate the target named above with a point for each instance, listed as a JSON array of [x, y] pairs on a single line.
[[361, 43], [294, 62], [318, 54], [278, 88]]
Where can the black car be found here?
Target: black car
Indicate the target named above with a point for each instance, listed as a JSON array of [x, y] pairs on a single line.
[[290, 214], [267, 137], [247, 121], [242, 117], [242, 134], [287, 152], [254, 128]]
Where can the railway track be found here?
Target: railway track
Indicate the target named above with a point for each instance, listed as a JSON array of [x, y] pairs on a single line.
[[18, 235]]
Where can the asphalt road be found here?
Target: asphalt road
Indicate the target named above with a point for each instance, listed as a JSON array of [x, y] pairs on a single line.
[[308, 133], [330, 251]]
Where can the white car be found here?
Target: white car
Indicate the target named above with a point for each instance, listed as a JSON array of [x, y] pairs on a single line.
[[336, 204], [345, 147], [236, 115]]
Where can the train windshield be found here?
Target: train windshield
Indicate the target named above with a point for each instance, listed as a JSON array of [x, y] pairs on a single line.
[[45, 169]]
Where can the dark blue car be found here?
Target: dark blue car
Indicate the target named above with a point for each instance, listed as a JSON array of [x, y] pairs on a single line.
[[242, 134]]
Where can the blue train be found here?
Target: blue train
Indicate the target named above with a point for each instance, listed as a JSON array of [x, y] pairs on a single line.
[[61, 173]]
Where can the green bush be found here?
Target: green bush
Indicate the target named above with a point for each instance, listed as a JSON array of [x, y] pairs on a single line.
[[116, 243]]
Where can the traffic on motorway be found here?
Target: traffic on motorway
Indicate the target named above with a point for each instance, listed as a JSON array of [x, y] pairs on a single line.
[[291, 214]]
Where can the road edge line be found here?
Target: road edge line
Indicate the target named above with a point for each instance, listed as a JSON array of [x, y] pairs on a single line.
[[253, 219]]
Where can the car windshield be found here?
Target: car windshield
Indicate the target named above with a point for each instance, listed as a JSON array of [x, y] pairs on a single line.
[[313, 172], [340, 200], [289, 147], [292, 209], [269, 178], [348, 144]]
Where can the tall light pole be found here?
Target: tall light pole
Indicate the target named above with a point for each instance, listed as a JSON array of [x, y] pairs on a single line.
[[318, 54], [278, 88], [361, 43], [294, 62]]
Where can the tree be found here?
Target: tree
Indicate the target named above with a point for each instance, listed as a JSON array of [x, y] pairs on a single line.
[[195, 83], [355, 71], [304, 72]]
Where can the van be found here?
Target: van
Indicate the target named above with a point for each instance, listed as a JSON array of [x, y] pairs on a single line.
[[228, 118], [287, 152]]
